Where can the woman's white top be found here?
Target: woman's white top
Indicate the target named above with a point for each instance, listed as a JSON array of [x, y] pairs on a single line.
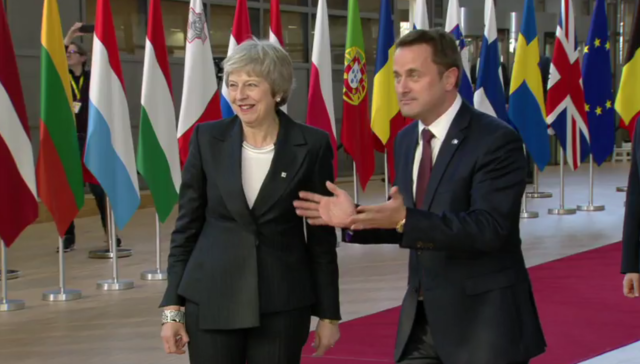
[[255, 165]]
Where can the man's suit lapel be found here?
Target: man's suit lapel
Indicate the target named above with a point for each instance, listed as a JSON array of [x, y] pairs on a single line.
[[230, 174], [450, 144], [290, 152]]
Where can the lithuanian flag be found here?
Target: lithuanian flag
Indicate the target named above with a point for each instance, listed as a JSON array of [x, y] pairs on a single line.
[[628, 98], [59, 170]]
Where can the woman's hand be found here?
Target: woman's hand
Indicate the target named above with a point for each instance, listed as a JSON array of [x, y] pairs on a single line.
[[73, 32], [327, 334], [175, 338]]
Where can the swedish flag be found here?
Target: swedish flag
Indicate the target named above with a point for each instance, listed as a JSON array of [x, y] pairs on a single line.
[[526, 100], [598, 86]]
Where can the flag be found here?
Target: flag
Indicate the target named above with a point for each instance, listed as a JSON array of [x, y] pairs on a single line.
[[490, 94], [420, 15], [241, 31], [386, 119], [356, 135], [109, 151], [526, 100], [565, 97], [158, 157], [320, 112], [628, 99], [275, 30], [59, 167], [598, 86], [200, 94], [453, 27], [19, 207]]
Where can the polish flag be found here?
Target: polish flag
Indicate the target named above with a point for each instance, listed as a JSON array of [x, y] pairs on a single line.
[[241, 32], [275, 30], [320, 111], [19, 207], [200, 95]]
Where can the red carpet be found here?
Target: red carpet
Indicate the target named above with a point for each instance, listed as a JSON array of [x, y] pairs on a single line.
[[580, 302]]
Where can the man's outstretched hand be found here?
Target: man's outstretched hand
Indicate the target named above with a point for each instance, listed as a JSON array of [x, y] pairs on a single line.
[[335, 210], [384, 216]]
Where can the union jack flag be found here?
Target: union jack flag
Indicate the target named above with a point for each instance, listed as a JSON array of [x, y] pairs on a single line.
[[566, 108]]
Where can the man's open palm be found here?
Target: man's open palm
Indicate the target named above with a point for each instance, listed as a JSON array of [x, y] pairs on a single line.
[[322, 210]]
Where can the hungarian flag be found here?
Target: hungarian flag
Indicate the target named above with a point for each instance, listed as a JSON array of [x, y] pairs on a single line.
[[356, 135], [320, 112], [158, 157], [19, 207], [628, 100], [59, 168], [200, 93]]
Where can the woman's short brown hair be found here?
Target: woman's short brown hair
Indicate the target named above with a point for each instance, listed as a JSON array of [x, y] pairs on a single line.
[[446, 54]]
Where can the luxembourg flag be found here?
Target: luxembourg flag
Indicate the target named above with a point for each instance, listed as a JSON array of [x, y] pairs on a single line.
[[200, 94], [241, 31], [489, 96], [320, 113], [453, 26], [109, 150], [420, 15], [275, 30]]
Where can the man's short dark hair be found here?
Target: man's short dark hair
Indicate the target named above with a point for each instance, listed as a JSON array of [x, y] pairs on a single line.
[[446, 54]]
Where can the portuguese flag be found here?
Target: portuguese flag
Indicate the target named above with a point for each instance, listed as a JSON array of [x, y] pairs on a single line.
[[59, 168], [356, 134]]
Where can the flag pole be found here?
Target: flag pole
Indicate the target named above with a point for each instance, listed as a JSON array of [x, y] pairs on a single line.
[[355, 183], [155, 274], [6, 304], [386, 177], [61, 294], [561, 210], [524, 213], [114, 284], [590, 206], [536, 184], [108, 252]]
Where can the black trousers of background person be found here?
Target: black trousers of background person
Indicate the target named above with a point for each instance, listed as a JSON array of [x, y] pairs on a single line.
[[420, 348], [279, 339], [101, 203], [98, 194]]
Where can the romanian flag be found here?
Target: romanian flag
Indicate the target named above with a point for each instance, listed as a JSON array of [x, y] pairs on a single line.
[[628, 98], [59, 168], [356, 135], [386, 119]]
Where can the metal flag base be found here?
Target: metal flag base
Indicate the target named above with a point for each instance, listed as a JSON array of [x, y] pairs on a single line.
[[11, 305], [562, 211], [12, 274], [535, 194], [621, 189], [111, 285], [154, 275], [59, 295], [529, 214], [590, 207], [108, 254]]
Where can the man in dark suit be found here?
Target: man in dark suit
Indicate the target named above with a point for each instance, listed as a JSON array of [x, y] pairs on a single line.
[[460, 176], [631, 228]]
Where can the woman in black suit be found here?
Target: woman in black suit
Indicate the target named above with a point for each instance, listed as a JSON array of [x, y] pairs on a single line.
[[244, 280]]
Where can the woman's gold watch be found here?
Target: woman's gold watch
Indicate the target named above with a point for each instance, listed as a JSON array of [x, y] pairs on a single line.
[[332, 322], [400, 226]]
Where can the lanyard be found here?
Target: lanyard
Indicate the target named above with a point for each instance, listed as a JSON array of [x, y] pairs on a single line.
[[77, 88]]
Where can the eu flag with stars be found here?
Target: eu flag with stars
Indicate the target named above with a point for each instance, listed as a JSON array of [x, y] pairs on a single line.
[[597, 80]]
